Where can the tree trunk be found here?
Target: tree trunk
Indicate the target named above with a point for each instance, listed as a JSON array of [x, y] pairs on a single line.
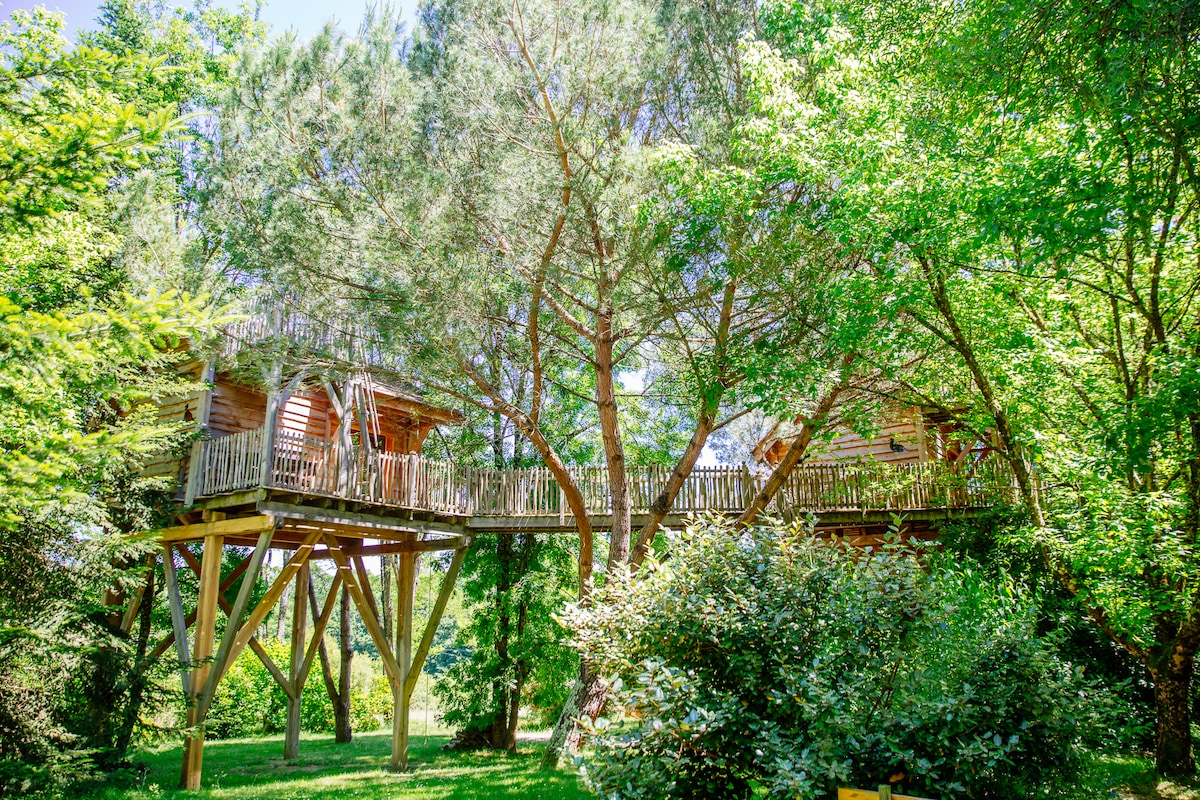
[[614, 447], [666, 498], [1173, 734], [501, 691], [322, 653], [795, 453], [586, 700], [341, 709], [706, 422]]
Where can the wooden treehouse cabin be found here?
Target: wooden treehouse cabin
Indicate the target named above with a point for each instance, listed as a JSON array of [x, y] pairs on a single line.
[[918, 463], [330, 470]]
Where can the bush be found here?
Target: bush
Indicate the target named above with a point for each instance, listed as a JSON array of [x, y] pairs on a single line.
[[771, 658]]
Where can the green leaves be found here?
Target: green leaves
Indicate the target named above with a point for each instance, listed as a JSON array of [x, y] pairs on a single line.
[[65, 127], [53, 363]]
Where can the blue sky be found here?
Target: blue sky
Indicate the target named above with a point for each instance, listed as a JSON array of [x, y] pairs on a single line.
[[306, 16]]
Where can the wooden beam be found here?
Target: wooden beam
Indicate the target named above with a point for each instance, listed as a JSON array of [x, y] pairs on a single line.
[[162, 646], [246, 632], [355, 519], [364, 581], [291, 738], [206, 620], [259, 650], [435, 617], [240, 498], [404, 625], [178, 624], [203, 530], [392, 548], [272, 667], [369, 619], [225, 654]]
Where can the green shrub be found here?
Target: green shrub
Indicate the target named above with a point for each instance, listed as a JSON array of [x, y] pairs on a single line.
[[770, 658]]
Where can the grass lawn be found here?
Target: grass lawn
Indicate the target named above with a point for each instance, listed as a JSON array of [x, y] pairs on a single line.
[[1128, 777], [254, 768]]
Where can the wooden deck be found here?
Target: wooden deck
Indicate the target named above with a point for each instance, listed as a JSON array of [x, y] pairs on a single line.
[[496, 499]]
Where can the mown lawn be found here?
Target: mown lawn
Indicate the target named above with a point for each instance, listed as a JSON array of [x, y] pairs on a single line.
[[254, 768]]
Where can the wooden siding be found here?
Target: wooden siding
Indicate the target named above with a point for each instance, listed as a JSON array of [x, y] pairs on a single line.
[[904, 430], [306, 413], [235, 408], [904, 427], [186, 410]]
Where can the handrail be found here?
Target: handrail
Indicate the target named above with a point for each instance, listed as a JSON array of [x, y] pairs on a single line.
[[315, 466]]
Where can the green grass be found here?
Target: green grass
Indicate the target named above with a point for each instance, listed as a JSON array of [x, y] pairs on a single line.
[[1128, 777], [254, 768]]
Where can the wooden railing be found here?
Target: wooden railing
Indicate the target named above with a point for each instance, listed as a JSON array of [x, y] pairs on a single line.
[[313, 466], [231, 462]]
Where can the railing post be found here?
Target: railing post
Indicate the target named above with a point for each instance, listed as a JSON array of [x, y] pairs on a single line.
[[194, 478]]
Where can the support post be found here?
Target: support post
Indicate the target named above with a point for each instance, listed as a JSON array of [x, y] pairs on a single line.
[[266, 463], [406, 579], [291, 741], [202, 651]]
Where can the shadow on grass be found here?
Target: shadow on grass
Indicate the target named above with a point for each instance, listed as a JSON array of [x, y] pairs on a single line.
[[254, 768]]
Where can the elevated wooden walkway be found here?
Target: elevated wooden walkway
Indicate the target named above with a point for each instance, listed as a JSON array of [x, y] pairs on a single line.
[[462, 499]]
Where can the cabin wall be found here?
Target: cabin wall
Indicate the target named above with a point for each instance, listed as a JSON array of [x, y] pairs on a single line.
[[906, 430], [235, 408], [404, 434], [184, 409], [310, 413]]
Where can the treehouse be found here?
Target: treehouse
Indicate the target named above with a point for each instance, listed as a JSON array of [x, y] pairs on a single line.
[[297, 448], [354, 440], [322, 464]]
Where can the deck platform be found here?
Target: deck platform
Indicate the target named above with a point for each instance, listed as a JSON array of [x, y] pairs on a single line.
[[307, 480]]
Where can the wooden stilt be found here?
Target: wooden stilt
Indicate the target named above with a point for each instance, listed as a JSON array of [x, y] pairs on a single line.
[[291, 740], [178, 623], [169, 639], [225, 655], [405, 586], [202, 650]]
